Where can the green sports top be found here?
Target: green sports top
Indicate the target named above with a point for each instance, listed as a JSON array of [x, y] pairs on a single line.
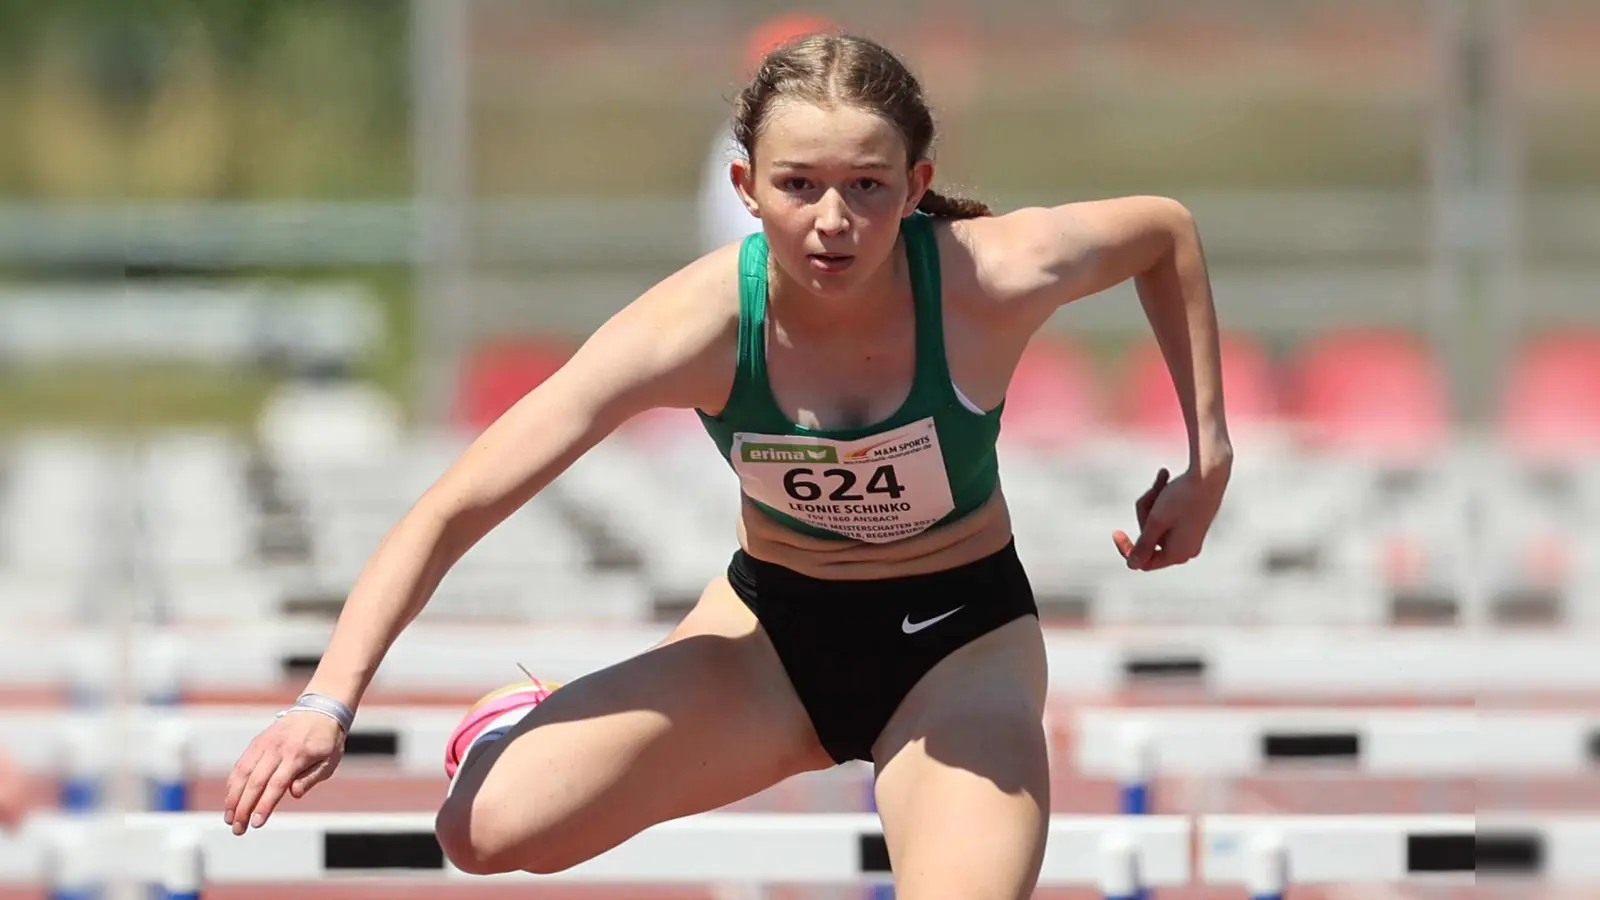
[[930, 463]]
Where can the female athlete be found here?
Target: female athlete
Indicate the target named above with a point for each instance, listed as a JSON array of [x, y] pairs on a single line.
[[849, 362]]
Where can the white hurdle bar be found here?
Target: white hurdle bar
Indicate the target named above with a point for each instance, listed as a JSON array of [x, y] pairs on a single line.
[[1414, 743], [1275, 663], [170, 745], [1120, 855], [843, 848]]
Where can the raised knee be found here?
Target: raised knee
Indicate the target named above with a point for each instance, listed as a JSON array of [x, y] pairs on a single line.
[[463, 841], [482, 838]]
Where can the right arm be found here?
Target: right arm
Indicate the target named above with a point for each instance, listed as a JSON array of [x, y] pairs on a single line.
[[674, 347]]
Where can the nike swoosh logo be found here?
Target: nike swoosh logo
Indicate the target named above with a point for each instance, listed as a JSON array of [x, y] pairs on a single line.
[[910, 627]]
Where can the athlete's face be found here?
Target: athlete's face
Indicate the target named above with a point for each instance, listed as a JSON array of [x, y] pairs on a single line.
[[831, 185]]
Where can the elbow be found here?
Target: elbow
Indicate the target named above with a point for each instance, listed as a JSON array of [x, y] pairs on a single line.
[[446, 523], [1174, 239], [1177, 220]]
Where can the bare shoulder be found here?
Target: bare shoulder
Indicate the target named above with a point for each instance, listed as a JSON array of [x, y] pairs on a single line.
[[1053, 255], [675, 346], [694, 308]]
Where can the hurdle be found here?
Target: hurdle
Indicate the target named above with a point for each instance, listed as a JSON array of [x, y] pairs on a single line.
[[1289, 664], [817, 848], [1119, 855], [1132, 746], [1421, 743]]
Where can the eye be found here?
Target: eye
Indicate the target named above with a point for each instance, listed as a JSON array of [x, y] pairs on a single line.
[[794, 184], [868, 185]]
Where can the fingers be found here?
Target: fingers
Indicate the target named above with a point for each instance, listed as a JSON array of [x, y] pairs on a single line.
[[1147, 500], [318, 774], [1180, 546], [241, 812], [277, 784], [1123, 542], [284, 759], [1141, 507], [263, 791], [238, 778], [1150, 538]]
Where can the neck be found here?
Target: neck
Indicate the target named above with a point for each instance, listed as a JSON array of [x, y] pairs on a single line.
[[862, 309]]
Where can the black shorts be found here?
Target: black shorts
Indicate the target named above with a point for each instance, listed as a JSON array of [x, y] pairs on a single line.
[[854, 649]]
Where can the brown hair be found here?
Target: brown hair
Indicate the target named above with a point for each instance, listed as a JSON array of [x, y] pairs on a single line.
[[837, 68]]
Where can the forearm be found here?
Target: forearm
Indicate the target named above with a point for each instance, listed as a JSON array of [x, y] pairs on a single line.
[[1176, 296], [391, 590]]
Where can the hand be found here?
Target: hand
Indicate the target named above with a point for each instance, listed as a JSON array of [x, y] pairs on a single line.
[[14, 793], [296, 752], [1173, 519]]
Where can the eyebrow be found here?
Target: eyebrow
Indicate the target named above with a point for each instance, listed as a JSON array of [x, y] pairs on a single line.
[[872, 164]]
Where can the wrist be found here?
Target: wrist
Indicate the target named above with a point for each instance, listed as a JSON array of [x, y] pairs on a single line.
[[346, 686], [1211, 453]]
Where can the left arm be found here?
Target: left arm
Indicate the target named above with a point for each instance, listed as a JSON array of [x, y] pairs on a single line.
[[1073, 251]]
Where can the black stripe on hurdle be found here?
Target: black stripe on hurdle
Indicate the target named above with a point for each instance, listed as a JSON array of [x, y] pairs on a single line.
[[874, 853], [356, 850], [1311, 745], [372, 744], [1440, 853], [1164, 667], [1510, 853], [300, 665]]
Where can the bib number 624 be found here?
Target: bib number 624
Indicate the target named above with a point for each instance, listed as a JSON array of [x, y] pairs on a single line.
[[800, 484]]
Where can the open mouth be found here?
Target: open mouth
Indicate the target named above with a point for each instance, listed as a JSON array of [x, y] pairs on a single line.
[[831, 261]]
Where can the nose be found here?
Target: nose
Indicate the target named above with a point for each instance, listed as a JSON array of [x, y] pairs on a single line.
[[834, 216]]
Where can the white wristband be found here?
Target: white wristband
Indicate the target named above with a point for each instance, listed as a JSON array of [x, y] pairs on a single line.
[[327, 706]]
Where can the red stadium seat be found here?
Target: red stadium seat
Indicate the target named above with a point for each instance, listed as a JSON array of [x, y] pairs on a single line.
[[500, 373], [1551, 403], [1376, 393], [1051, 402], [1149, 405]]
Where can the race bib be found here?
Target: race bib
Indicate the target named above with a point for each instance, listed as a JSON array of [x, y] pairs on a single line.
[[878, 489]]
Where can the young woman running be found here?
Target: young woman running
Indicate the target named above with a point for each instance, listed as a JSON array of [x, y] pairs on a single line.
[[849, 363]]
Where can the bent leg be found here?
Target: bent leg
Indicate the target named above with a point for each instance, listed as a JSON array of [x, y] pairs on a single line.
[[963, 782], [705, 718]]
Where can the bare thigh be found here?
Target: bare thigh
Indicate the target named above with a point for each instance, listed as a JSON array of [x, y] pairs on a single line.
[[703, 719], [964, 774]]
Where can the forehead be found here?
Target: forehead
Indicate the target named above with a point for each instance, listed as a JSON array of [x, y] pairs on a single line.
[[836, 134]]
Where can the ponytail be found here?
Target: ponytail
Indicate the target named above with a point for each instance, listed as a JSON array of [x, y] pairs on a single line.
[[942, 206]]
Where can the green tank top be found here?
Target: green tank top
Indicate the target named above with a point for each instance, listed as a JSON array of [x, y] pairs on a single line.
[[930, 463]]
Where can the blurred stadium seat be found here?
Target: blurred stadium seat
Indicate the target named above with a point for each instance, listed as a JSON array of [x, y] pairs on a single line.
[[497, 374], [1053, 401], [1149, 405], [1375, 393], [1551, 402]]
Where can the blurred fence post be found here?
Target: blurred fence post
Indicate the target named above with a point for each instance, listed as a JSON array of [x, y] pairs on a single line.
[[442, 192], [1474, 170]]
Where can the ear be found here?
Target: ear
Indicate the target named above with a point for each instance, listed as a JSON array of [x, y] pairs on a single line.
[[921, 180], [743, 176]]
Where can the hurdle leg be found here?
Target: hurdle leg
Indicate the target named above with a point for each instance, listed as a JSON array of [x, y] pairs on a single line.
[[1120, 878], [70, 866], [183, 867], [1135, 777], [1266, 867], [167, 772], [83, 766]]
